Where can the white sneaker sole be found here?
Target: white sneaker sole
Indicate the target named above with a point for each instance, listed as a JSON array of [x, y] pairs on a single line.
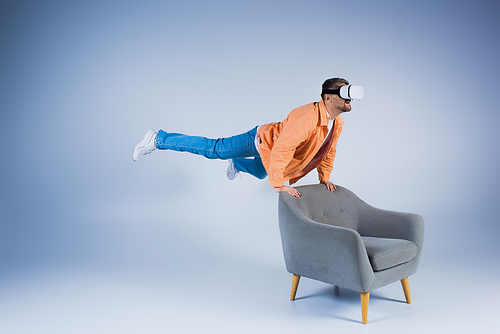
[[231, 171], [145, 146]]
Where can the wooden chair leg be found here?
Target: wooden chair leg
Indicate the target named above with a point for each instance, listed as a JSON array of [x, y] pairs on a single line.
[[406, 289], [365, 298], [295, 285]]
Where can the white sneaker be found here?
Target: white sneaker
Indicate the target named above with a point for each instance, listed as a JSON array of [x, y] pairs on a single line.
[[146, 145], [231, 171]]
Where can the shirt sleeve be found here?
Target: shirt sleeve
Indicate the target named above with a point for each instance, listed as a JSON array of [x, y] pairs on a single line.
[[295, 132]]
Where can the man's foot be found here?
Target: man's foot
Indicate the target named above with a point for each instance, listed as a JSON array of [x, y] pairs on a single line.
[[146, 145], [231, 171]]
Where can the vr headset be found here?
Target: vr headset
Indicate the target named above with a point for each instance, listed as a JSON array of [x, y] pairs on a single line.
[[347, 92]]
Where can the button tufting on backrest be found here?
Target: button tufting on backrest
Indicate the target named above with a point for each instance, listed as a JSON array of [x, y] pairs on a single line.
[[337, 208]]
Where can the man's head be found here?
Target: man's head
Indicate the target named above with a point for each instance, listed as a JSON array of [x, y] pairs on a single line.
[[335, 105]]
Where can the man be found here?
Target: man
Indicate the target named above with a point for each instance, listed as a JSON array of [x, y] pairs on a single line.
[[284, 151]]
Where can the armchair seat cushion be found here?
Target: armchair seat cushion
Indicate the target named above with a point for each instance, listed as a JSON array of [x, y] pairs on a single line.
[[385, 253]]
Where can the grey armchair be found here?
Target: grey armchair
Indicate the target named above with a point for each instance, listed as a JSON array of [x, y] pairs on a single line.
[[335, 237]]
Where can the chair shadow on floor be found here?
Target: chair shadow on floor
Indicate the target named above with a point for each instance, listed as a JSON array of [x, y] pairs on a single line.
[[342, 297]]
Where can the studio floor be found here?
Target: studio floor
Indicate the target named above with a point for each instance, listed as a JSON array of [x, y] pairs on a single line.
[[228, 297]]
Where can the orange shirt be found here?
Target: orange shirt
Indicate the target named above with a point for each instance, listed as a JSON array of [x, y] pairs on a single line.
[[287, 147]]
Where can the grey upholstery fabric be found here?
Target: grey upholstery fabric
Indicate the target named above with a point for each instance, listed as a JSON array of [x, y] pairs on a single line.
[[386, 253], [329, 236]]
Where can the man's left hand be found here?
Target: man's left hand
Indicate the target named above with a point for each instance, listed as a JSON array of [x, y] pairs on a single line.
[[329, 185]]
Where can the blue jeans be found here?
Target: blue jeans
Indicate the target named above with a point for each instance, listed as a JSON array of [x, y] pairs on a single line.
[[240, 148]]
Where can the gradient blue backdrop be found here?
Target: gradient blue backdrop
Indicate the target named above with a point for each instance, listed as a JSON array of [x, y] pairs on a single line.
[[81, 82]]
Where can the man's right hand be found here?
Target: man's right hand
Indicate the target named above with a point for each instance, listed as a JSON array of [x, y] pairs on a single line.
[[292, 191]]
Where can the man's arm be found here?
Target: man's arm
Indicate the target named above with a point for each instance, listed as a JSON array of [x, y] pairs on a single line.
[[296, 131]]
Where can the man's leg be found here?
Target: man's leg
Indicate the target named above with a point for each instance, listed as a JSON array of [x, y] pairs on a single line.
[[252, 166], [239, 146]]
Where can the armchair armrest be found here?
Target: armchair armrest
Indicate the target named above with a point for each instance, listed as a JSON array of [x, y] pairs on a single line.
[[375, 222], [331, 254]]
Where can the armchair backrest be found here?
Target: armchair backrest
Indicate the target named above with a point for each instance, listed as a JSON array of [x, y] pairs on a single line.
[[338, 208]]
